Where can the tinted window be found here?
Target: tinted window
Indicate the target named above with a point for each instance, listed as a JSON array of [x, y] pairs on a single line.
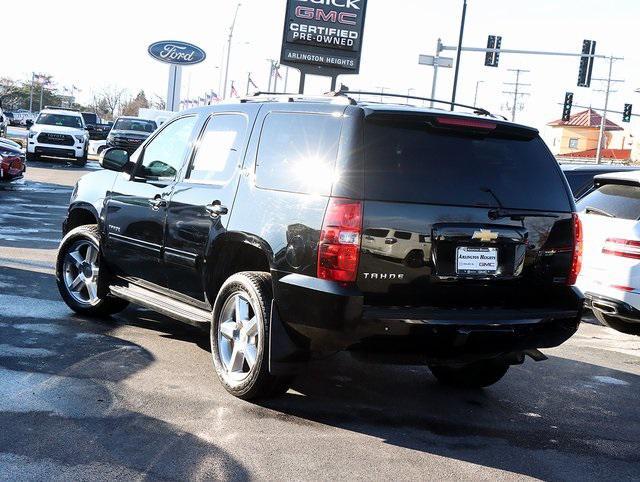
[[407, 161], [377, 233], [60, 120], [578, 181], [402, 235], [89, 118], [139, 125], [298, 152], [165, 154], [616, 199], [218, 152]]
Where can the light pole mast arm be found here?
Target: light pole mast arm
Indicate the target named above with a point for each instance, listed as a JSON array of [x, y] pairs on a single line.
[[226, 72]]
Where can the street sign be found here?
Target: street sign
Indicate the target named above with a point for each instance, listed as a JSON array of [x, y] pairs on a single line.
[[446, 62], [176, 53], [323, 37]]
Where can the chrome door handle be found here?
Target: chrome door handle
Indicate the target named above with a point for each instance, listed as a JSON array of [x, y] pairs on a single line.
[[216, 209]]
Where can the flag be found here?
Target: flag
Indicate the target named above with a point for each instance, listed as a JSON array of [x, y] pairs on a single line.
[[234, 92], [277, 69]]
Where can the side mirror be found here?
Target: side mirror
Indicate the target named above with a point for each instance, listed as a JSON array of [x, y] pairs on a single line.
[[114, 159], [29, 123]]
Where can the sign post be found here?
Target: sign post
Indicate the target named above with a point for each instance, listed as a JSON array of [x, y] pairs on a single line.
[[176, 54], [323, 38]]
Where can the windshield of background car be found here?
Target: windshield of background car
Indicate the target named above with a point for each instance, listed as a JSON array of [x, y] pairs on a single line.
[[408, 161], [135, 125], [60, 120], [90, 118], [620, 200]]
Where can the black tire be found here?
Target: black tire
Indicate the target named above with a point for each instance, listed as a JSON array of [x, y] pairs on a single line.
[[104, 304], [80, 161], [255, 288], [617, 324], [414, 259], [476, 375], [32, 156]]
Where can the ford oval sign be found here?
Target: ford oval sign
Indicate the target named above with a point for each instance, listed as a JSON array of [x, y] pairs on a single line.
[[177, 53]]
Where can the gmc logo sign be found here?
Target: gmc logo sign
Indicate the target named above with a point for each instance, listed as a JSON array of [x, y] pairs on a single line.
[[310, 13], [353, 4]]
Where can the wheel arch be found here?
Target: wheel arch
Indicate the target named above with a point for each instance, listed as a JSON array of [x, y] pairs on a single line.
[[232, 253], [81, 214]]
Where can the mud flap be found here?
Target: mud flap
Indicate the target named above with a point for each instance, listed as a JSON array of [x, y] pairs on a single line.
[[285, 356]]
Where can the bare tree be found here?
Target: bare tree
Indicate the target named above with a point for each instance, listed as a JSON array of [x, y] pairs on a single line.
[[109, 99], [158, 102]]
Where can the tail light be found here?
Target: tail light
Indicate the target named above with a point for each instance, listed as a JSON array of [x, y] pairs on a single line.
[[625, 248], [339, 247], [462, 122], [576, 261]]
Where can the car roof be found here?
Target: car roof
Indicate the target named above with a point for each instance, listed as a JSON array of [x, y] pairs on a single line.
[[369, 108], [597, 167], [61, 111], [626, 177]]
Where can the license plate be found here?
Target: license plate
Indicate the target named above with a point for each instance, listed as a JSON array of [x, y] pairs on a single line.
[[476, 261]]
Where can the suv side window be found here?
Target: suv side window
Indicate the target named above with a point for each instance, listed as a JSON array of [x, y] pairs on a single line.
[[298, 152], [164, 155], [217, 155]]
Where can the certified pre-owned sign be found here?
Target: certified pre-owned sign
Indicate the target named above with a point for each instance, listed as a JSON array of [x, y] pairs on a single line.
[[177, 53], [324, 36]]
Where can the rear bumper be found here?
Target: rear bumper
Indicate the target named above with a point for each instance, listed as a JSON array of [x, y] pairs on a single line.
[[325, 316], [612, 307]]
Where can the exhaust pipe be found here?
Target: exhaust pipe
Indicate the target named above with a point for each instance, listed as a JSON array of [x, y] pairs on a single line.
[[604, 307]]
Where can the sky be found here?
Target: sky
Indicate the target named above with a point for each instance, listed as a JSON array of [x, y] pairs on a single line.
[[93, 45]]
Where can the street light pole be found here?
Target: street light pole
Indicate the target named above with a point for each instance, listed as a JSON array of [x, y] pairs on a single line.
[[226, 73], [475, 98], [459, 54]]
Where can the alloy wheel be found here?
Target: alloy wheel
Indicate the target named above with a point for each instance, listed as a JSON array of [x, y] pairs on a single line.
[[80, 272]]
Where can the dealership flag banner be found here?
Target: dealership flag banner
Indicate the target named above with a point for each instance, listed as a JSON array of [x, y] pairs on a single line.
[[323, 37]]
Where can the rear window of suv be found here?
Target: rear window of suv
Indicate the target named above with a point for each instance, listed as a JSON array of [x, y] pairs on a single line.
[[618, 200], [410, 162]]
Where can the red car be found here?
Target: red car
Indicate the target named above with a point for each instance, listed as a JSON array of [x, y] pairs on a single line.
[[12, 162]]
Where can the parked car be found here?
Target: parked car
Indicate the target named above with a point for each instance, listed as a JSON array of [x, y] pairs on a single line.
[[11, 119], [98, 128], [12, 162], [610, 278], [248, 219], [8, 142], [4, 124], [129, 133], [59, 132], [580, 176]]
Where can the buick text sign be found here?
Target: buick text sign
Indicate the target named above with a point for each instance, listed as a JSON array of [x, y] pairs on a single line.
[[177, 53], [324, 36]]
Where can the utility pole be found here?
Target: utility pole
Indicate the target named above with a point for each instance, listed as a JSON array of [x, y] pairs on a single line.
[[475, 98], [459, 54], [226, 73], [516, 91], [33, 79], [603, 121]]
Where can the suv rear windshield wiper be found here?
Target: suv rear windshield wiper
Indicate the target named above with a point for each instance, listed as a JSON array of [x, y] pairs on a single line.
[[600, 212]]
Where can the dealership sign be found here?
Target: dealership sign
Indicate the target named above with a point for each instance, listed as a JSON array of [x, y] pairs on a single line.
[[176, 53], [324, 37]]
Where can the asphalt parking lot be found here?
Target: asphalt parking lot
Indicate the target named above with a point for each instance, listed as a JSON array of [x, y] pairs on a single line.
[[136, 397]]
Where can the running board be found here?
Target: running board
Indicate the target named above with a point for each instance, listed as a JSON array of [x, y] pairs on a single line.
[[166, 306]]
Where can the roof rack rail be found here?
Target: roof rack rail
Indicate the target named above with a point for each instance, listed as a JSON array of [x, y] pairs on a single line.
[[55, 107], [348, 93], [292, 97]]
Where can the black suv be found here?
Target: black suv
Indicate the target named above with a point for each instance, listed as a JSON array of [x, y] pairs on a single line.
[[128, 133], [251, 217]]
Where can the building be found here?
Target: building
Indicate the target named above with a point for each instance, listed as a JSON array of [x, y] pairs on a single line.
[[580, 133]]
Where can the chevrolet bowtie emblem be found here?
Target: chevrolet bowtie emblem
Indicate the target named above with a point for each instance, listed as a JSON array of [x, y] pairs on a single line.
[[485, 235]]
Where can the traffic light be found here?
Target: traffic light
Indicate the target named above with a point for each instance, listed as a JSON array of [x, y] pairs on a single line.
[[568, 103], [586, 63], [493, 58], [626, 113]]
